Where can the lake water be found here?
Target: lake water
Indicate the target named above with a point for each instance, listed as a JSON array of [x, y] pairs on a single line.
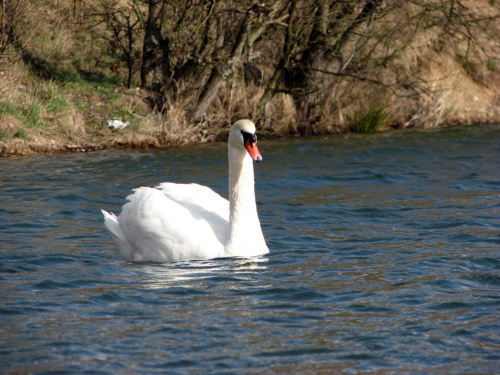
[[385, 257]]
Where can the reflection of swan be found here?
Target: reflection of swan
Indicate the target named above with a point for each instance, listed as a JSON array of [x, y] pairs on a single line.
[[158, 276], [175, 222]]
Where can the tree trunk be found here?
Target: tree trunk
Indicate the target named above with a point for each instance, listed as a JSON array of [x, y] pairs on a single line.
[[288, 48], [129, 53], [304, 75], [4, 33], [155, 67], [365, 14], [321, 57], [250, 31], [222, 72]]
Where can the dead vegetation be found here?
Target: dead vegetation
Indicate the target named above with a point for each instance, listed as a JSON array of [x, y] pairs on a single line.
[[294, 66]]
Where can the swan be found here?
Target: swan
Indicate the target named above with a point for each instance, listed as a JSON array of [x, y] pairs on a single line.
[[178, 222]]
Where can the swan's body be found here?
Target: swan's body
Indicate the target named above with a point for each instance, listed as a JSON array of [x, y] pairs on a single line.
[[175, 222]]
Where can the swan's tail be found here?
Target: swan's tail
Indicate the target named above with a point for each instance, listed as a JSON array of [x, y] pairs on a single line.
[[112, 224]]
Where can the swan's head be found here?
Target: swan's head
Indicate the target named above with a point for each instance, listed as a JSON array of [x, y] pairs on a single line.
[[243, 136]]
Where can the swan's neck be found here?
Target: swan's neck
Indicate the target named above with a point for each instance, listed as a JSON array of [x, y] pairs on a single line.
[[245, 233]]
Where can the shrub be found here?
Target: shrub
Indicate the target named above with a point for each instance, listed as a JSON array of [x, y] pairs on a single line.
[[370, 119]]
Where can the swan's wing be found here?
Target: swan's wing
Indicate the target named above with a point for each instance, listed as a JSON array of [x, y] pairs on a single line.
[[203, 203], [176, 226], [196, 197]]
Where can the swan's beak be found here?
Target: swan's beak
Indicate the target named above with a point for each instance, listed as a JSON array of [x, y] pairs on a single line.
[[253, 150]]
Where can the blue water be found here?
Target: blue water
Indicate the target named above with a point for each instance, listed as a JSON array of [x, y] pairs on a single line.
[[385, 257]]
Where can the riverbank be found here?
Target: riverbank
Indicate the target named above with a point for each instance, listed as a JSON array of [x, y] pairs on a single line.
[[69, 75], [22, 147], [39, 116]]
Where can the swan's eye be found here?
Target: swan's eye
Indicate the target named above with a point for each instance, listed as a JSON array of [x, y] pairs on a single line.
[[252, 137]]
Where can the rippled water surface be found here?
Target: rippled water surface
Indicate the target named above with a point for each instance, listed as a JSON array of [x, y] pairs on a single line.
[[385, 257]]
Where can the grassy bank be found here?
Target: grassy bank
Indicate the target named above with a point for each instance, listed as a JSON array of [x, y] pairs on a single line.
[[63, 77], [72, 114]]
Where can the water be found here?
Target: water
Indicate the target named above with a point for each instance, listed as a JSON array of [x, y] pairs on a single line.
[[384, 258]]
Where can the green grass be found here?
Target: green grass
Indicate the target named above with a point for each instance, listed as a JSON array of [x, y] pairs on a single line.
[[55, 99], [11, 109], [33, 117], [5, 136], [370, 119], [39, 110], [21, 133]]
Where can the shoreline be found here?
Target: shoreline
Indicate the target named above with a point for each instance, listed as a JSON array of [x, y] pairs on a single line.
[[19, 148]]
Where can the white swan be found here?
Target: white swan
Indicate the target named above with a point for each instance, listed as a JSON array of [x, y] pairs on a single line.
[[175, 222]]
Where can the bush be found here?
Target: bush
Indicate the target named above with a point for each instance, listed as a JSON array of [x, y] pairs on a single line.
[[370, 119]]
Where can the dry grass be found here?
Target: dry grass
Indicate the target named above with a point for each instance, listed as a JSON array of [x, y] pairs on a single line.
[[70, 88]]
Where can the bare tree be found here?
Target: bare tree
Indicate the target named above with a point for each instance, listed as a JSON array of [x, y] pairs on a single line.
[[155, 66], [123, 21], [255, 22], [11, 14], [289, 49]]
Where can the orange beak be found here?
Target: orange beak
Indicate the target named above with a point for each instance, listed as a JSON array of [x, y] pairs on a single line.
[[253, 151]]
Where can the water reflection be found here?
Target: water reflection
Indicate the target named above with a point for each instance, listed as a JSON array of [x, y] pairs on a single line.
[[159, 276]]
